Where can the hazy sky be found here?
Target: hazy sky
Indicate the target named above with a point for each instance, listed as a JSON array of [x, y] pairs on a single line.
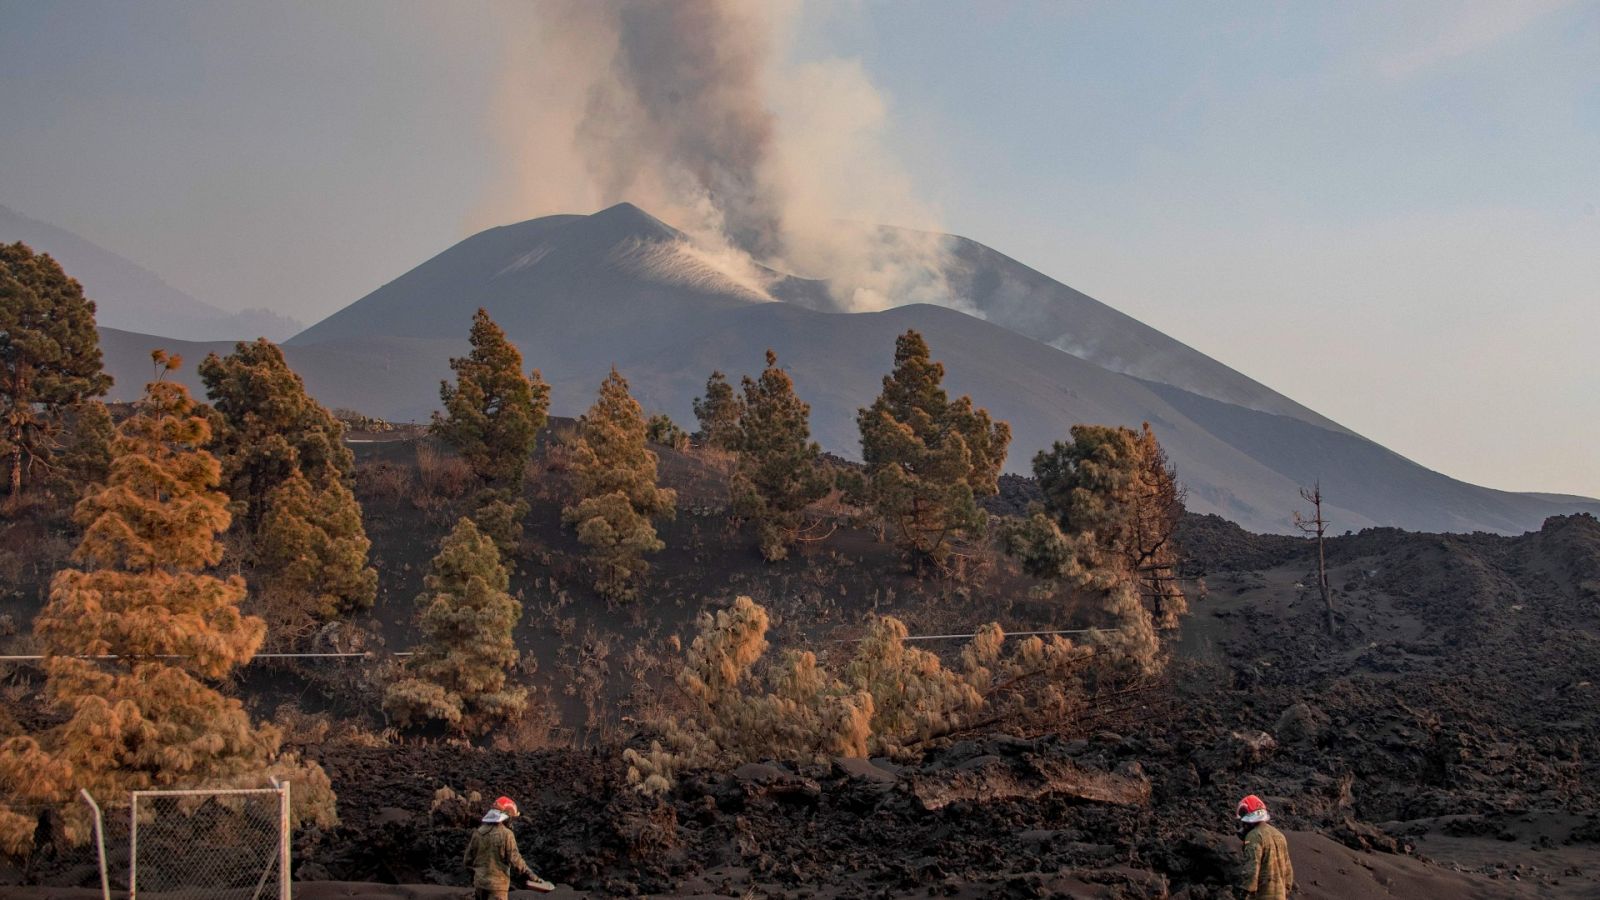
[[1390, 212]]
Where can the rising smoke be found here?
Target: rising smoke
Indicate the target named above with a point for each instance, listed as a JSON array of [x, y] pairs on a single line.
[[689, 109]]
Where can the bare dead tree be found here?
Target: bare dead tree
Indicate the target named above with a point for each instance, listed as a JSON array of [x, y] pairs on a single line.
[[1317, 525]]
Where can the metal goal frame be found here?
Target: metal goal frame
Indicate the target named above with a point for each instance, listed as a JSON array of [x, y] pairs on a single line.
[[280, 789]]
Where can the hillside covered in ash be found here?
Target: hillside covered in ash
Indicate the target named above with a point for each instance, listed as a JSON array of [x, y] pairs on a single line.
[[1442, 742]]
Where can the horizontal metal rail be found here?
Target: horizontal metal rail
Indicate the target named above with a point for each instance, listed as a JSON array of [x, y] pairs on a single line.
[[368, 653]]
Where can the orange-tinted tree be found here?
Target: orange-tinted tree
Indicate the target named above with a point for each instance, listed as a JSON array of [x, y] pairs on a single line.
[[147, 716]]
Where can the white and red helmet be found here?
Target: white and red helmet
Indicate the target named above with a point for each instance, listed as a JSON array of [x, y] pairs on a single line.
[[1252, 810], [507, 806]]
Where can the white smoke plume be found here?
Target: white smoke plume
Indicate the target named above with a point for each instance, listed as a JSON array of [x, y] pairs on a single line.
[[692, 110]]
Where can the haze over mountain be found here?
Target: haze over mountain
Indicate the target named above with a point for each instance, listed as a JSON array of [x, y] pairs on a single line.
[[129, 296], [579, 294]]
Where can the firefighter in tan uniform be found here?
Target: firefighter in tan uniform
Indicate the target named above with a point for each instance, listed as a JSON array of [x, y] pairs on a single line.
[[493, 856], [1265, 872]]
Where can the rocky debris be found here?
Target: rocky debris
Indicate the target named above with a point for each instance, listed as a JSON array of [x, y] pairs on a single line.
[[1301, 725], [992, 779], [1240, 750]]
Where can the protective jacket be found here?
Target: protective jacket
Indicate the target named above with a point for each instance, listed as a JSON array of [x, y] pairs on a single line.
[[1265, 873], [492, 854]]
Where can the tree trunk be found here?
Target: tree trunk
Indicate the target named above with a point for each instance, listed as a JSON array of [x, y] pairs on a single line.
[[1322, 577], [16, 472]]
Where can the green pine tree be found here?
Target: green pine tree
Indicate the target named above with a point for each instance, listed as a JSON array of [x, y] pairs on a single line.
[[267, 428], [458, 675], [1112, 487], [718, 412], [614, 473], [288, 470], [780, 470], [83, 456], [927, 457], [49, 358], [493, 413]]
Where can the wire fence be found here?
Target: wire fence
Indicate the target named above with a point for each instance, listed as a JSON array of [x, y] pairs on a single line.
[[224, 844]]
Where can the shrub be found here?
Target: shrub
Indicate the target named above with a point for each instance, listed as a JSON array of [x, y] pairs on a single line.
[[888, 699], [441, 475]]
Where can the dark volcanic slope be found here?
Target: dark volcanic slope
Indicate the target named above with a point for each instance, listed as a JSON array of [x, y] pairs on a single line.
[[580, 294]]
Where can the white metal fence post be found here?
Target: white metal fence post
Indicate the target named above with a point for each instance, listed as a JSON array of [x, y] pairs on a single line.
[[286, 891], [133, 846], [100, 843]]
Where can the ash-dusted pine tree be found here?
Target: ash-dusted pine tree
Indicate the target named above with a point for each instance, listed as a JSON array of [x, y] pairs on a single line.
[[285, 464], [913, 695], [458, 675], [311, 553], [49, 357], [493, 412], [801, 713], [718, 412], [928, 457], [615, 476], [1114, 487], [147, 718], [890, 697], [780, 469]]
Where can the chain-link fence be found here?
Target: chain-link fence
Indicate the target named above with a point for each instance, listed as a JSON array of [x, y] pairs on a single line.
[[225, 844], [65, 849]]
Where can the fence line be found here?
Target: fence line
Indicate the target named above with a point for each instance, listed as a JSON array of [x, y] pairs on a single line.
[[373, 653], [368, 653]]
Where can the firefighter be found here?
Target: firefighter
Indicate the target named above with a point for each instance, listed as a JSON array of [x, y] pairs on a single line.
[[492, 855], [1265, 872]]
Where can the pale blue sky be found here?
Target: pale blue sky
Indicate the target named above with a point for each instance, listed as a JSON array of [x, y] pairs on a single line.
[[1390, 212]]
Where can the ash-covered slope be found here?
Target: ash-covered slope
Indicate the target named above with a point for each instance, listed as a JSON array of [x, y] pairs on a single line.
[[128, 296], [580, 294]]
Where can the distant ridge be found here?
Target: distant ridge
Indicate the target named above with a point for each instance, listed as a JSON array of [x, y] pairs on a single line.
[[579, 294], [129, 296]]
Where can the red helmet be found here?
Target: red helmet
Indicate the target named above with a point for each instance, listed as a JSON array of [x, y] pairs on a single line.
[[509, 807], [1251, 809]]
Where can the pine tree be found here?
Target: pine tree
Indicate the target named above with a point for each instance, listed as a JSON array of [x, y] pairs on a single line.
[[615, 476], [718, 412], [493, 413], [1114, 486], [780, 471], [49, 357], [83, 456], [661, 430], [499, 514], [312, 553], [146, 718], [267, 428], [458, 675], [928, 458], [286, 466]]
